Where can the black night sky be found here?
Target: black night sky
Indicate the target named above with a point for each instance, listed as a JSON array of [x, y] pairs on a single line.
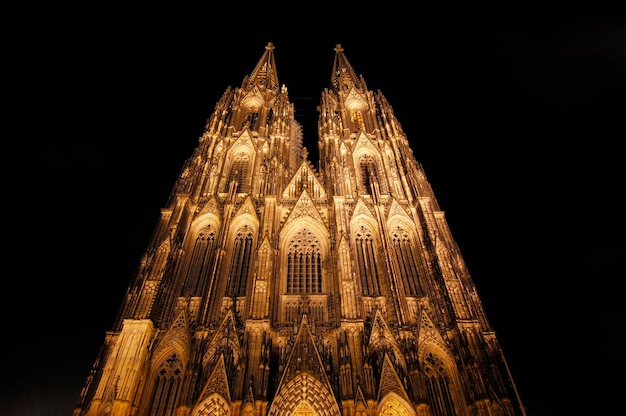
[[517, 114]]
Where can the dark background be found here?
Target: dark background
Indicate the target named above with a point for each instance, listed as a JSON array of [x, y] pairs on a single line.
[[516, 112]]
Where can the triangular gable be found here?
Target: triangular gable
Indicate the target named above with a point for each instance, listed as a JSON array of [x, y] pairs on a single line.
[[362, 209], [428, 332], [253, 99], [363, 142], [381, 337], [304, 357], [217, 382], [396, 209], [380, 333], [304, 379], [247, 208], [355, 100], [210, 208], [390, 382], [359, 399], [304, 179], [175, 339], [227, 330], [243, 140], [304, 208], [248, 401], [266, 245]]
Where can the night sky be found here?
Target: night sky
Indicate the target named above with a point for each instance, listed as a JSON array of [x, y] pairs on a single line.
[[516, 113]]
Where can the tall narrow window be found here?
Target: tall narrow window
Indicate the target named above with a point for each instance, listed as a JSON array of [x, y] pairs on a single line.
[[201, 264], [251, 120], [238, 175], [304, 264], [406, 258], [369, 173], [166, 387], [366, 259], [356, 117], [438, 387], [240, 262]]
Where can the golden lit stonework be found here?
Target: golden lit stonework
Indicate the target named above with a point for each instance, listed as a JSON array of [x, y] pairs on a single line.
[[272, 287]]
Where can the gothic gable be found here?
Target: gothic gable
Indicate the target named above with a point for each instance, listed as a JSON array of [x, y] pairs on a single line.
[[210, 208], [304, 179], [428, 332], [226, 334], [365, 146], [253, 100], [175, 339], [242, 144], [381, 338], [396, 210], [355, 101], [361, 210], [359, 400], [217, 382], [248, 209], [304, 356], [304, 379], [305, 208], [380, 333], [390, 382]]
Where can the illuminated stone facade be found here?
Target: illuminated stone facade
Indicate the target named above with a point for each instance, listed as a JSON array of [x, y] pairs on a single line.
[[272, 288]]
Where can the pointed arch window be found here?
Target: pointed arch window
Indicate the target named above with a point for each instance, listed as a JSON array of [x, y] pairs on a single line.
[[240, 262], [367, 263], [356, 117], [238, 175], [404, 252], [202, 262], [438, 386], [304, 263], [369, 173], [251, 120], [166, 387], [270, 119]]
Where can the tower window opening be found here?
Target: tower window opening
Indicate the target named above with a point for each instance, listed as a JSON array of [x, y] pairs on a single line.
[[201, 263], [240, 263], [404, 252], [369, 173], [239, 173], [367, 263]]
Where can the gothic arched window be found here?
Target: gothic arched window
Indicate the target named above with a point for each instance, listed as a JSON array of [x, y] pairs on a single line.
[[369, 173], [201, 263], [304, 263], [251, 120], [404, 252], [166, 387], [356, 117], [438, 386], [238, 175], [367, 263], [240, 262]]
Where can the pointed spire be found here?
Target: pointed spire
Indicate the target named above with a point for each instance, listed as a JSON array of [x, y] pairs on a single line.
[[264, 73], [344, 77]]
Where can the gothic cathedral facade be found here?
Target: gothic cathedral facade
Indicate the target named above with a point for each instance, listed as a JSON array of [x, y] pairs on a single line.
[[270, 287]]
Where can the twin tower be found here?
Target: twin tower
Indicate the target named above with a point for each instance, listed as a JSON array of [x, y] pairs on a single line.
[[270, 287]]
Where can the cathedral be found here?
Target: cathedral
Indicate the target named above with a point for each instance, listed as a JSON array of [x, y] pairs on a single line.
[[274, 287]]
